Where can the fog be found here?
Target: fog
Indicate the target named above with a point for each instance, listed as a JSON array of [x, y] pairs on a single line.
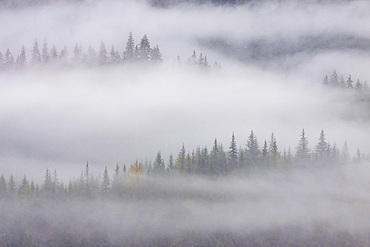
[[120, 114], [274, 57], [299, 207]]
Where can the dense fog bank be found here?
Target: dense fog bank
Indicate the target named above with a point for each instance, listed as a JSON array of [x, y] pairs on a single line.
[[298, 207]]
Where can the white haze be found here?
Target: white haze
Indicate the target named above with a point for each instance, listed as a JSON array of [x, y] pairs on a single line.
[[61, 119]]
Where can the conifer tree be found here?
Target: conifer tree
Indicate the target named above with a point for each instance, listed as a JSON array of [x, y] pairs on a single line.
[[302, 150], [11, 185], [233, 153], [265, 153], [252, 150], [23, 189], [45, 53], [35, 54], [325, 82], [334, 79], [144, 49], [159, 166], [321, 147], [114, 56], [358, 85], [171, 163], [105, 186], [129, 52], [53, 55], [180, 162], [8, 60], [349, 82], [273, 150], [77, 54], [47, 187], [345, 153], [342, 83], [156, 55], [103, 58], [2, 185], [22, 61]]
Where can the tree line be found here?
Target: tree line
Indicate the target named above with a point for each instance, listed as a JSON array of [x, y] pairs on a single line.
[[200, 161], [336, 81], [141, 52]]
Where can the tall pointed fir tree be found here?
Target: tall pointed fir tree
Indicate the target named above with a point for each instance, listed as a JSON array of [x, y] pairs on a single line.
[[349, 82], [105, 185], [129, 52], [103, 57], [53, 55], [35, 54], [214, 159], [321, 148], [158, 166], [156, 55], [264, 154], [252, 150], [144, 49], [345, 154], [114, 57], [22, 60], [47, 186], [2, 186], [11, 185], [171, 163], [23, 189], [233, 154], [334, 79], [180, 162], [273, 151], [8, 60], [302, 151], [77, 55], [45, 53]]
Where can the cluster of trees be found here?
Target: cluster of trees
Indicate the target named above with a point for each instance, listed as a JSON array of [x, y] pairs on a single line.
[[201, 61], [142, 52], [336, 81], [200, 161]]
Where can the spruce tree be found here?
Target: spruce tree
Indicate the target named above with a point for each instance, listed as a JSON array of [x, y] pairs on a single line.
[[233, 153], [159, 166], [129, 52], [302, 151], [22, 61], [11, 185], [35, 54], [171, 163], [273, 150], [349, 82], [144, 49], [23, 189], [2, 185], [252, 150], [334, 79], [8, 60], [53, 55], [45, 53], [345, 153], [156, 55], [105, 186], [103, 58], [321, 147], [47, 187], [265, 153]]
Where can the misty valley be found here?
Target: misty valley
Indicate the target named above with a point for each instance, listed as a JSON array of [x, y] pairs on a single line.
[[185, 123]]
